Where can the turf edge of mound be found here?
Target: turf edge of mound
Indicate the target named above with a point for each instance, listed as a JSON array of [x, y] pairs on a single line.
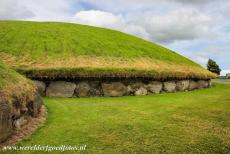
[[14, 86]]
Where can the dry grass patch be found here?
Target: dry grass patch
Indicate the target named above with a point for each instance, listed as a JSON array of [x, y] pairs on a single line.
[[104, 66]]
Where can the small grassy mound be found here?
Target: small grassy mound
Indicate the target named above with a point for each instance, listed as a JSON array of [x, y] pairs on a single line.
[[52, 49], [14, 86]]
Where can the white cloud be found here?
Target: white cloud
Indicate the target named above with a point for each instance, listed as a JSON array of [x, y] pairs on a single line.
[[218, 50], [49, 10], [177, 25], [108, 20], [190, 2], [98, 18], [12, 9], [197, 2], [182, 24], [201, 60], [224, 72]]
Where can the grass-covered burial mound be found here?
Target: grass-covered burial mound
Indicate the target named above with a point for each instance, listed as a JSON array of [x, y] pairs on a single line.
[[51, 51]]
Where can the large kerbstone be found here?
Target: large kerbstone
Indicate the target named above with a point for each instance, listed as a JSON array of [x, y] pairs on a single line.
[[61, 89], [182, 85], [82, 89], [41, 87], [6, 127], [192, 85], [155, 87], [135, 86], [209, 83], [169, 86], [202, 84], [20, 122], [35, 106], [95, 88], [141, 91], [114, 89]]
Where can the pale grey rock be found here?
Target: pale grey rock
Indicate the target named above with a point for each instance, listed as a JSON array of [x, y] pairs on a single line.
[[61, 89], [192, 85], [182, 85], [95, 88], [41, 87], [35, 106], [169, 86], [20, 122], [202, 84], [141, 91], [114, 89], [209, 83], [82, 89], [135, 86], [155, 87]]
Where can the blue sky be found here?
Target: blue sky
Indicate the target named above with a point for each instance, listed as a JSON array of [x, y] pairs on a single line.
[[197, 29]]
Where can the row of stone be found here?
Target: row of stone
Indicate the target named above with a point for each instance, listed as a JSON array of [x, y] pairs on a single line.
[[114, 89]]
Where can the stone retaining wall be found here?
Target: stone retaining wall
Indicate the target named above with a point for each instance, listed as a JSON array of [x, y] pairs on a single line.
[[87, 88], [14, 114]]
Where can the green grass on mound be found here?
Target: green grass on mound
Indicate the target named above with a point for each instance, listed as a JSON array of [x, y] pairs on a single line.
[[185, 122], [14, 86], [51, 48]]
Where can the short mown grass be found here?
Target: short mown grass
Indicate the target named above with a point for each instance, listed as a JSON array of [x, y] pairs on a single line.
[[186, 122]]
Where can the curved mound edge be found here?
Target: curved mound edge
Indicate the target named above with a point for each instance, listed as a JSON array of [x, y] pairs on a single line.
[[18, 102], [55, 49]]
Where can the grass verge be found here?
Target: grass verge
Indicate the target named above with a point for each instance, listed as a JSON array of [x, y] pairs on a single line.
[[186, 122]]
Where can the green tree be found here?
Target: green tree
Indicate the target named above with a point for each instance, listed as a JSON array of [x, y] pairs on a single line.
[[213, 67]]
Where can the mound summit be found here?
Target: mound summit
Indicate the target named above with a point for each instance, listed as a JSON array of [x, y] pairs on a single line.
[[65, 50]]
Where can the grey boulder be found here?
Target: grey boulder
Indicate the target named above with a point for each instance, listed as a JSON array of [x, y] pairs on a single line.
[[41, 87], [202, 84], [35, 106], [82, 89], [209, 83], [141, 91], [182, 85], [20, 122], [155, 87], [114, 89], [192, 85], [61, 89], [169, 86], [95, 88], [133, 87]]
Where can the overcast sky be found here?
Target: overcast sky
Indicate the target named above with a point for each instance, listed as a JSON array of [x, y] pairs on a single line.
[[197, 29]]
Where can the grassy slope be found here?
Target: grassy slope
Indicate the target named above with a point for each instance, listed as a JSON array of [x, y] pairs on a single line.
[[164, 123], [14, 85], [83, 50]]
